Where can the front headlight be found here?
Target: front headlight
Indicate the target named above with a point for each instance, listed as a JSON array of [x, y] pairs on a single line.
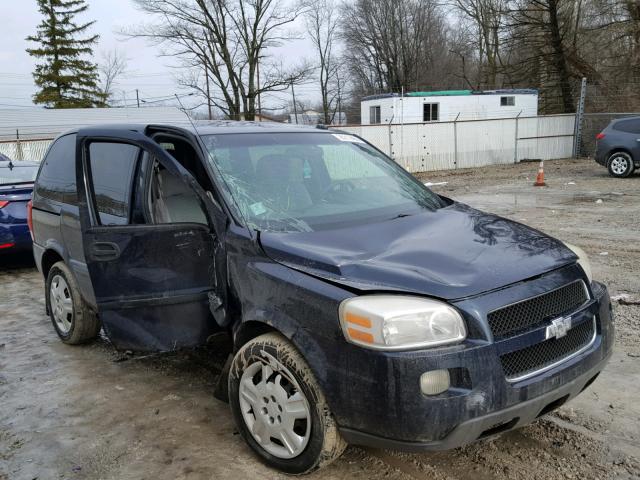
[[395, 322], [583, 260]]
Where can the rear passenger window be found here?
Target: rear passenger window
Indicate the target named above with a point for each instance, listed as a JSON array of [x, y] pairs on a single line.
[[57, 179], [628, 126], [113, 166]]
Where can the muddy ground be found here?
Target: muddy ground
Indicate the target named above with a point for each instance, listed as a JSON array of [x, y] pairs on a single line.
[[94, 413]]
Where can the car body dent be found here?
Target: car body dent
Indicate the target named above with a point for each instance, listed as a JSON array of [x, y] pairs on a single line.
[[301, 307], [450, 253]]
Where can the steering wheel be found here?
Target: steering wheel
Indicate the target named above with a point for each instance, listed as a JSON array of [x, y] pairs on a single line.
[[338, 186]]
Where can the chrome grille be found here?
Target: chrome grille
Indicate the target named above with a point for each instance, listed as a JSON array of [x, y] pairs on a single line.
[[533, 312], [543, 355]]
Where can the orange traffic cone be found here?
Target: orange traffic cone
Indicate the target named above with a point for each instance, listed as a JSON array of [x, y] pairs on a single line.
[[540, 177]]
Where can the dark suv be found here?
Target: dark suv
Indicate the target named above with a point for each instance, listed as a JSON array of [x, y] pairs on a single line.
[[618, 146], [360, 306]]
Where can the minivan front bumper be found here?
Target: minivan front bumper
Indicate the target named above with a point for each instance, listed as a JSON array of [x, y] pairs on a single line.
[[480, 403], [487, 425]]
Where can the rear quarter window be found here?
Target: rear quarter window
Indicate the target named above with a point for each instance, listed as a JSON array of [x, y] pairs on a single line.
[[628, 126], [57, 178]]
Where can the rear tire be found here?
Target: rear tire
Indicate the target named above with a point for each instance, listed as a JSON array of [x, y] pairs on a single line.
[[620, 164], [73, 320], [279, 408]]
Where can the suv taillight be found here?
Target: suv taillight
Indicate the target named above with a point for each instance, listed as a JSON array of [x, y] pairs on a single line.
[[4, 203], [30, 217], [600, 136]]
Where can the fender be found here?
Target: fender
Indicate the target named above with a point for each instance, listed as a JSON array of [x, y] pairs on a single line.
[[307, 313]]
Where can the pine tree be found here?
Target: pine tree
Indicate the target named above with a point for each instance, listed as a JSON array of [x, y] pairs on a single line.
[[65, 78]]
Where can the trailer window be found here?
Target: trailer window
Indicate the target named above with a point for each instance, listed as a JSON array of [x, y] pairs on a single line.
[[430, 112], [374, 114], [507, 101]]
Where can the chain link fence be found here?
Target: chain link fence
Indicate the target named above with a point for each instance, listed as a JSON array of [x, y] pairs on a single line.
[[594, 123], [602, 104], [32, 149]]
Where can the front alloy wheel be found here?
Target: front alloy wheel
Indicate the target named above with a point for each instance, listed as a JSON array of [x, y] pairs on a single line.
[[279, 408]]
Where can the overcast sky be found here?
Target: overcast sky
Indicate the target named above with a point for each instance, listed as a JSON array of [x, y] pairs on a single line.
[[148, 72]]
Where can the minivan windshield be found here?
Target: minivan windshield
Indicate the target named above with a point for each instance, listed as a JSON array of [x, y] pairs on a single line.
[[303, 182]]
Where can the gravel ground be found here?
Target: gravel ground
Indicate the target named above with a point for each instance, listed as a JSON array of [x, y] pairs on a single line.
[[94, 413]]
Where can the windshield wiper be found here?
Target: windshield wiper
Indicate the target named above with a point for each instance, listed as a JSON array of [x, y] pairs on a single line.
[[402, 215]]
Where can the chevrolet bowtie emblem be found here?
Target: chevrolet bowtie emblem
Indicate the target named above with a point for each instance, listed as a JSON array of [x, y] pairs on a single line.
[[558, 328]]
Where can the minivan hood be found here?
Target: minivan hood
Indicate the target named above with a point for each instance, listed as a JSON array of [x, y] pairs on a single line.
[[450, 253]]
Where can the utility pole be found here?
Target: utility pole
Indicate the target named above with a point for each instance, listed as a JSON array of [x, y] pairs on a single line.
[[577, 131], [515, 146], [137, 98], [295, 107], [259, 100], [340, 105], [206, 75]]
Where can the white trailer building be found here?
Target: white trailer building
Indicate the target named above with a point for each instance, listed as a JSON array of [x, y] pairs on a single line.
[[448, 105]]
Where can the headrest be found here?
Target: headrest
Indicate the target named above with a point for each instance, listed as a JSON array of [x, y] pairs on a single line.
[[280, 167], [171, 185], [240, 162], [305, 151]]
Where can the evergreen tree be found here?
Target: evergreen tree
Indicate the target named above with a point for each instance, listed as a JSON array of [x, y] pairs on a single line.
[[65, 78]]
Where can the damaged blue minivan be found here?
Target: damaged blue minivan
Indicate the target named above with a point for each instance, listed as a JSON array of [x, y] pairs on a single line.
[[362, 307]]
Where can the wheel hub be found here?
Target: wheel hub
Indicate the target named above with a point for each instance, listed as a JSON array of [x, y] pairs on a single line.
[[619, 165], [274, 409], [61, 304]]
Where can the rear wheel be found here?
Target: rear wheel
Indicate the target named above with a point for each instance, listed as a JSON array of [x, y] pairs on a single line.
[[279, 408], [620, 164], [72, 318]]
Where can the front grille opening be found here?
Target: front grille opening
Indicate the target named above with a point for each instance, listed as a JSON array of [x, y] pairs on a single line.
[[553, 405], [544, 354], [589, 382], [533, 312], [499, 428]]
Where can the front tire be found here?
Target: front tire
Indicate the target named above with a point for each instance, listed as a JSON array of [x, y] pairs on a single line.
[[279, 408], [620, 164], [72, 318]]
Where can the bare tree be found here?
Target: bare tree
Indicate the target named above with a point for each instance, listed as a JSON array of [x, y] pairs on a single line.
[[226, 41], [487, 19], [542, 33], [395, 44], [322, 26], [112, 65]]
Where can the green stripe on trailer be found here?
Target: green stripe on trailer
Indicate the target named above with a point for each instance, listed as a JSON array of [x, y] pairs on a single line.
[[442, 93]]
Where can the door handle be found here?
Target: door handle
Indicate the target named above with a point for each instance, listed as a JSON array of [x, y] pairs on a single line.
[[104, 251]]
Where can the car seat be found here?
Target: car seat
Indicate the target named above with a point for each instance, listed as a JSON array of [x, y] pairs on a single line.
[[175, 201], [282, 181]]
